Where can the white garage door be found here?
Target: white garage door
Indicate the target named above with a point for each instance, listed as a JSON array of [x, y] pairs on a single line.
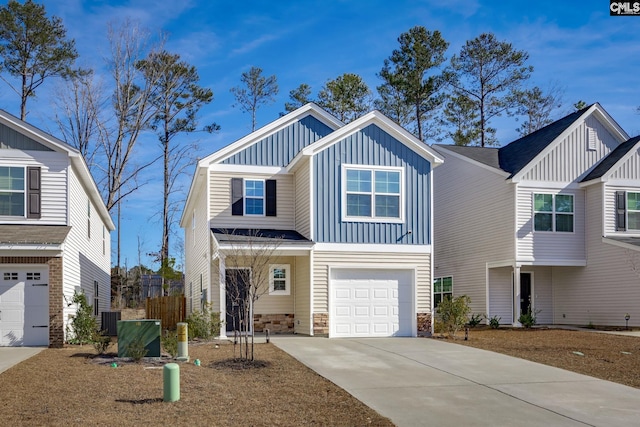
[[371, 303], [24, 306]]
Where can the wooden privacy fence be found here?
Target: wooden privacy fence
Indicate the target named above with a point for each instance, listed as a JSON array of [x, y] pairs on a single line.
[[170, 310]]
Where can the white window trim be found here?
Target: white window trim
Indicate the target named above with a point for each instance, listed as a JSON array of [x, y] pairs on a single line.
[[627, 210], [373, 217], [441, 293], [245, 197], [24, 192], [552, 212], [287, 270]]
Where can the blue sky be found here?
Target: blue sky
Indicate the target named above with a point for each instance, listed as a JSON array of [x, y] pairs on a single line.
[[574, 45]]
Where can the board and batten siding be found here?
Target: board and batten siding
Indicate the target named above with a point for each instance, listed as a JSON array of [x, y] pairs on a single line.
[[629, 169], [542, 246], [302, 198], [198, 254], [302, 297], [220, 203], [54, 170], [607, 288], [373, 147], [474, 224], [279, 148], [379, 260], [85, 259], [571, 158]]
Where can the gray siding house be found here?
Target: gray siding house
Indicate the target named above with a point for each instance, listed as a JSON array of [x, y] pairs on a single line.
[[347, 210], [550, 222]]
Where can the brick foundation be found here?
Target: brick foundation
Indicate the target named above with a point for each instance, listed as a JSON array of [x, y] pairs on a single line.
[[276, 323], [56, 304], [321, 324], [424, 324]]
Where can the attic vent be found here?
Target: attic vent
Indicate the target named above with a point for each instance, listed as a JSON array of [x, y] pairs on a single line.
[[591, 138]]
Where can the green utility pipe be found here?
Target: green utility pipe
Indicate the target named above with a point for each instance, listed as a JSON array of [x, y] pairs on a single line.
[[171, 378]]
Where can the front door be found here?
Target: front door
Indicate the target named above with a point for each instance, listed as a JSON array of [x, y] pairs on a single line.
[[525, 292], [236, 280]]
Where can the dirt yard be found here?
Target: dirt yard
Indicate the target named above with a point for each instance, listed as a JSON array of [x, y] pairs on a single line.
[[71, 387], [610, 357]]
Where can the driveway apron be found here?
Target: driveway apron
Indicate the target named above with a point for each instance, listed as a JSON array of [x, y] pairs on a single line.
[[421, 382]]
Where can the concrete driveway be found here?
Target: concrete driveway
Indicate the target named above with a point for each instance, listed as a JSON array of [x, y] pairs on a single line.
[[418, 382], [10, 356]]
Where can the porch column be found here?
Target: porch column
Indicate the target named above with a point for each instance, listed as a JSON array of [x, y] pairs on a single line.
[[516, 295]]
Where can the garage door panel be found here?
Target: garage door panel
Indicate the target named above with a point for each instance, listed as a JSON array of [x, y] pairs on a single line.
[[375, 300]]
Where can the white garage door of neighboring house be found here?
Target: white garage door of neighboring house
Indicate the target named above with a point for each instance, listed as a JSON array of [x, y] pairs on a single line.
[[24, 306], [371, 303]]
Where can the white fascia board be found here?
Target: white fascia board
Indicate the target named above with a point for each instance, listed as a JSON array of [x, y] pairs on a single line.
[[549, 185], [27, 250], [473, 162], [292, 250], [193, 190], [248, 169], [552, 262], [284, 121], [372, 248], [597, 111], [386, 124]]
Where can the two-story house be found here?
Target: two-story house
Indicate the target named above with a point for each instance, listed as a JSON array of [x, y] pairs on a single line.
[[346, 210], [54, 236], [550, 221]]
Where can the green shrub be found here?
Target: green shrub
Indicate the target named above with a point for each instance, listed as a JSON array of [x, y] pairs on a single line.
[[169, 342], [454, 313], [101, 341], [84, 325], [528, 318], [476, 319], [136, 349], [204, 324], [494, 322]]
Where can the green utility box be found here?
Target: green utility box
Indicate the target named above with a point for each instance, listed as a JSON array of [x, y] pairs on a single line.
[[147, 330]]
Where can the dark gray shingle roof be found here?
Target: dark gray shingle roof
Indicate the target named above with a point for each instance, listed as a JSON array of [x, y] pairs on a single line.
[[16, 234], [246, 235], [608, 162], [484, 155]]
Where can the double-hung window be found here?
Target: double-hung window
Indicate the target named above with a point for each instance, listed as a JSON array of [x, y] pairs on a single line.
[[280, 279], [372, 193], [633, 211], [442, 288], [254, 196], [553, 212], [12, 197]]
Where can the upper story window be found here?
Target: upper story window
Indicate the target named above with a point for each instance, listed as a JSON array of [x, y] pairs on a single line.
[[257, 197], [627, 211], [372, 194], [254, 197], [553, 212], [12, 197], [280, 279]]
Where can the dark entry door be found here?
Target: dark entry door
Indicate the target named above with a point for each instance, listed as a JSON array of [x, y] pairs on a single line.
[[525, 292], [236, 295]]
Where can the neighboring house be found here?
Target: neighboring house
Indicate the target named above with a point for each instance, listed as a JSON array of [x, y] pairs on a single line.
[[551, 221], [347, 209], [54, 236]]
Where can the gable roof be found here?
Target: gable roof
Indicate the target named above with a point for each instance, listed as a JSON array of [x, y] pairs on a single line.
[[614, 157], [380, 120], [515, 156], [76, 159]]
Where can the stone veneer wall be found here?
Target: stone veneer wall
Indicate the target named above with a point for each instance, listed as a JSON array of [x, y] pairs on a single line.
[[321, 324], [56, 304], [424, 324], [275, 323]]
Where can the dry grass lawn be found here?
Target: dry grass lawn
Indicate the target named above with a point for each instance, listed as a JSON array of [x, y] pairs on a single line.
[[610, 357], [71, 387]]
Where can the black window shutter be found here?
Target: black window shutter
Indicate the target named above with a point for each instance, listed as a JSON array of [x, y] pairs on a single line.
[[621, 210], [237, 205], [33, 192], [271, 197]]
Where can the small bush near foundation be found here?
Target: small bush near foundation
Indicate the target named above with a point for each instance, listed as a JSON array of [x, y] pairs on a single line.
[[454, 313], [204, 324], [494, 322], [101, 341], [136, 350], [84, 325], [475, 320], [169, 342], [528, 318]]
